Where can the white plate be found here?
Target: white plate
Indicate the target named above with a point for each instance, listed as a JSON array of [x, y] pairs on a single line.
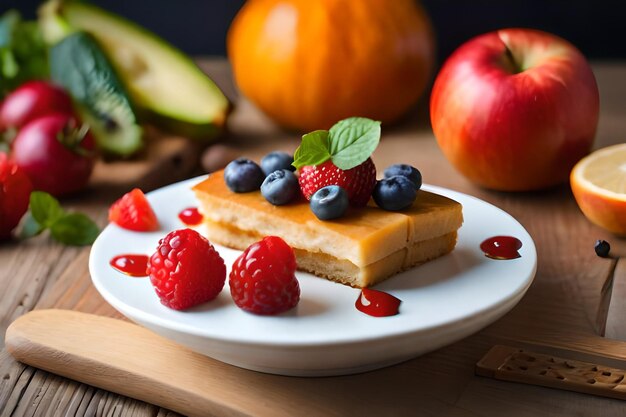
[[442, 301]]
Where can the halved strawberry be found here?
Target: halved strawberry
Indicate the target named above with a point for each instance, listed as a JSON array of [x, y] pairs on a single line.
[[133, 212], [358, 181]]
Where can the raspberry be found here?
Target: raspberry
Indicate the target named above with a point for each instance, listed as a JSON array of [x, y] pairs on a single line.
[[358, 181], [262, 280], [15, 188], [133, 212], [186, 270]]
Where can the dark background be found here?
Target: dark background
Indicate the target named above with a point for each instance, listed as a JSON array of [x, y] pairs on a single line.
[[199, 27]]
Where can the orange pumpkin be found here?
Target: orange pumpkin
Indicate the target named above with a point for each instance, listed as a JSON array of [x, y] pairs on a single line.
[[309, 63]]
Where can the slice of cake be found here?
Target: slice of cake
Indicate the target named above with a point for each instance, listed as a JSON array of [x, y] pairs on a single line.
[[363, 248]]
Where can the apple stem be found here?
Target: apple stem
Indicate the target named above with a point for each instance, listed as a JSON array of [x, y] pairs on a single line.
[[516, 67]]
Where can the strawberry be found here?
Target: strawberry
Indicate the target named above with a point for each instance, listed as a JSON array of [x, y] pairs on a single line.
[[262, 279], [358, 181], [186, 270], [340, 156], [133, 212], [15, 188]]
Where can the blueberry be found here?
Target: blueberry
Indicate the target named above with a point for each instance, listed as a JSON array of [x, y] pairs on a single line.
[[394, 193], [405, 170], [330, 202], [277, 160], [280, 187], [602, 248], [243, 175]]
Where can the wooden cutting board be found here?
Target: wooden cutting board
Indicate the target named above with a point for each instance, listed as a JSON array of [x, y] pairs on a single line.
[[440, 383], [560, 309], [127, 359]]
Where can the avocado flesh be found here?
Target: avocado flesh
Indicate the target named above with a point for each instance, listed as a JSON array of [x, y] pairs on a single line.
[[165, 84]]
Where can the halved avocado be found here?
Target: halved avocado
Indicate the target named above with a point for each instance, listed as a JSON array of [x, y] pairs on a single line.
[[164, 83]]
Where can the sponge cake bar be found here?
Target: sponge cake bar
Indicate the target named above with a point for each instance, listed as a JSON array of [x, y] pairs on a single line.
[[361, 249]]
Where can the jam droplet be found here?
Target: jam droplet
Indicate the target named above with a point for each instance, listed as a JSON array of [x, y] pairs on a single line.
[[377, 303], [501, 247], [190, 216], [131, 264]]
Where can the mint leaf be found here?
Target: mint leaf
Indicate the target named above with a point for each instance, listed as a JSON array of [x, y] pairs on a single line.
[[313, 150], [348, 143], [352, 141], [29, 227], [75, 229], [45, 212], [44, 208]]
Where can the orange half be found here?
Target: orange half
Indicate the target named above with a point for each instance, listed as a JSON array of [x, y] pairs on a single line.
[[599, 185]]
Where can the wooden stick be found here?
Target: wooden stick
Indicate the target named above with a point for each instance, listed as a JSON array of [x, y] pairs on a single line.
[[606, 295], [616, 313]]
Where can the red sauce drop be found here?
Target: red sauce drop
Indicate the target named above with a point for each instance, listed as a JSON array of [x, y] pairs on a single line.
[[131, 264], [501, 247], [377, 303], [190, 216]]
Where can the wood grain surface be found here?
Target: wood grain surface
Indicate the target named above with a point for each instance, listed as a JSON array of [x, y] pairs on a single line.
[[560, 308]]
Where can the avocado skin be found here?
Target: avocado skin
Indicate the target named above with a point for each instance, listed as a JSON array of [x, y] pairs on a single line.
[[78, 64], [204, 131], [197, 131]]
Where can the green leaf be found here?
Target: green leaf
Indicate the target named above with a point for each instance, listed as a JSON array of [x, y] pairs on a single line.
[[313, 150], [23, 53], [45, 212], [75, 229], [29, 227], [352, 141], [44, 208]]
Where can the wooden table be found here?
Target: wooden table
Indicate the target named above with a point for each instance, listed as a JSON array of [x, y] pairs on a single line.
[[566, 303]]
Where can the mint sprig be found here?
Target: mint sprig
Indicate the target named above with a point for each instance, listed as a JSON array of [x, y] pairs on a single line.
[[347, 144], [45, 212]]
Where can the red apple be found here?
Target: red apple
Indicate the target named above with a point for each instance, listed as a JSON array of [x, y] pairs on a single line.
[[515, 109]]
